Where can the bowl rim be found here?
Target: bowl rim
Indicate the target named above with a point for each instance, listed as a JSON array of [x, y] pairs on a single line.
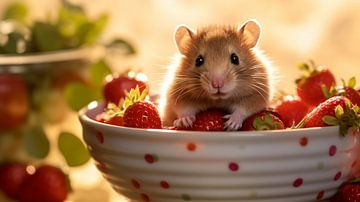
[[80, 53], [139, 132]]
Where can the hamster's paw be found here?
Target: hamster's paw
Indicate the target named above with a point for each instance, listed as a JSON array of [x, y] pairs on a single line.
[[233, 123], [184, 122]]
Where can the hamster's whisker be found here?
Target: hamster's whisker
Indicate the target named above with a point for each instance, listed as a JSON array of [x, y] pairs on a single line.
[[260, 90]]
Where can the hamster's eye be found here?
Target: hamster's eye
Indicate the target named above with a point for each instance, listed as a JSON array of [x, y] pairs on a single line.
[[199, 61], [234, 59]]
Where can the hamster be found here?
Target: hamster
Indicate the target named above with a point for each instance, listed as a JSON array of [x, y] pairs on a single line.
[[218, 67]]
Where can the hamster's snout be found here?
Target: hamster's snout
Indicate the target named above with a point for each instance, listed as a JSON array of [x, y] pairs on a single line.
[[219, 86], [218, 82]]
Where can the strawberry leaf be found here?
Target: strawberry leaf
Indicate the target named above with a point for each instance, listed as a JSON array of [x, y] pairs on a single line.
[[330, 120], [339, 111], [356, 180], [352, 82], [325, 91], [304, 67]]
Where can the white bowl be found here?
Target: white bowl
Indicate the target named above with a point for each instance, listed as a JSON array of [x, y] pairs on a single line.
[[176, 166]]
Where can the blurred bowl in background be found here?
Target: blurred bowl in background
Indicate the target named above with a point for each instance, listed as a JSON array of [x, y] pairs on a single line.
[[172, 166]]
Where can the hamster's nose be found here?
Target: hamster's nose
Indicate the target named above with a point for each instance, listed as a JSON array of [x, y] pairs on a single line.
[[217, 82]]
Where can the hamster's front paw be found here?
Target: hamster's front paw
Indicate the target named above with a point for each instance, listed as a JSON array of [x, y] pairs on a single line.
[[234, 122], [186, 122]]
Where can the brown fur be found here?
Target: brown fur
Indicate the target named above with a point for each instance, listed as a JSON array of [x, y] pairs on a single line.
[[250, 79]]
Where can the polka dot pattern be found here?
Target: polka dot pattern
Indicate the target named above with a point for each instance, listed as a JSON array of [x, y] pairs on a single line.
[[186, 197], [236, 165], [191, 147], [337, 176], [100, 137], [298, 182], [332, 150], [303, 141], [320, 195], [164, 184], [151, 158], [233, 166], [135, 184], [145, 197]]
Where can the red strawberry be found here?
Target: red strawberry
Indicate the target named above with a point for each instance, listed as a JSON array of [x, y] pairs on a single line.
[[210, 120], [349, 192], [263, 120], [142, 114], [12, 178], [310, 88], [48, 184], [115, 120], [115, 88], [337, 110], [292, 110], [346, 90], [137, 112]]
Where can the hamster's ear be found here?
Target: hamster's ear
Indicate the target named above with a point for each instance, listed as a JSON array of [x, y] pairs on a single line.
[[182, 35], [250, 31]]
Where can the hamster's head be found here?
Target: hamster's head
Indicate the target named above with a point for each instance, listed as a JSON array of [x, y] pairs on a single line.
[[219, 62]]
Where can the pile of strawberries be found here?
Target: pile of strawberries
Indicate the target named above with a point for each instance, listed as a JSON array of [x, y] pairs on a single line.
[[319, 102], [25, 183]]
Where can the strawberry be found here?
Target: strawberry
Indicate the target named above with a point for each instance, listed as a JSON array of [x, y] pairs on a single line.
[[337, 110], [309, 87], [138, 113], [12, 178], [113, 115], [142, 114], [116, 87], [209, 120], [116, 120], [263, 120], [48, 184], [349, 192], [292, 110], [346, 90]]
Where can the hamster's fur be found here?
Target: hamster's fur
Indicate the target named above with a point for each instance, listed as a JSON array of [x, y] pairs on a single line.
[[218, 67]]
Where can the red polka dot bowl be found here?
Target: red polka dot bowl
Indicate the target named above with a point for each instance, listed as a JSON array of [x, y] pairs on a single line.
[[175, 166]]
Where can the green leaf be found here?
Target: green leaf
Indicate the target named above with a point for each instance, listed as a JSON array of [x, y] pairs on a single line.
[[122, 46], [16, 11], [343, 129], [36, 143], [356, 180], [71, 7], [339, 111], [78, 95], [72, 149], [304, 67], [89, 31], [46, 37], [352, 82], [330, 120], [15, 43], [98, 72], [325, 91]]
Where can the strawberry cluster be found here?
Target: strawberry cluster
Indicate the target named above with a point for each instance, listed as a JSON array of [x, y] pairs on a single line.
[[319, 102], [26, 183]]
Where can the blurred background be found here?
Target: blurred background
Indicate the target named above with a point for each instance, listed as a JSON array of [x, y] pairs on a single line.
[[293, 31], [326, 31]]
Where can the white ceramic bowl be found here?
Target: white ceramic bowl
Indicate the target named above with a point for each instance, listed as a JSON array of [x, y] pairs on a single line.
[[176, 166]]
